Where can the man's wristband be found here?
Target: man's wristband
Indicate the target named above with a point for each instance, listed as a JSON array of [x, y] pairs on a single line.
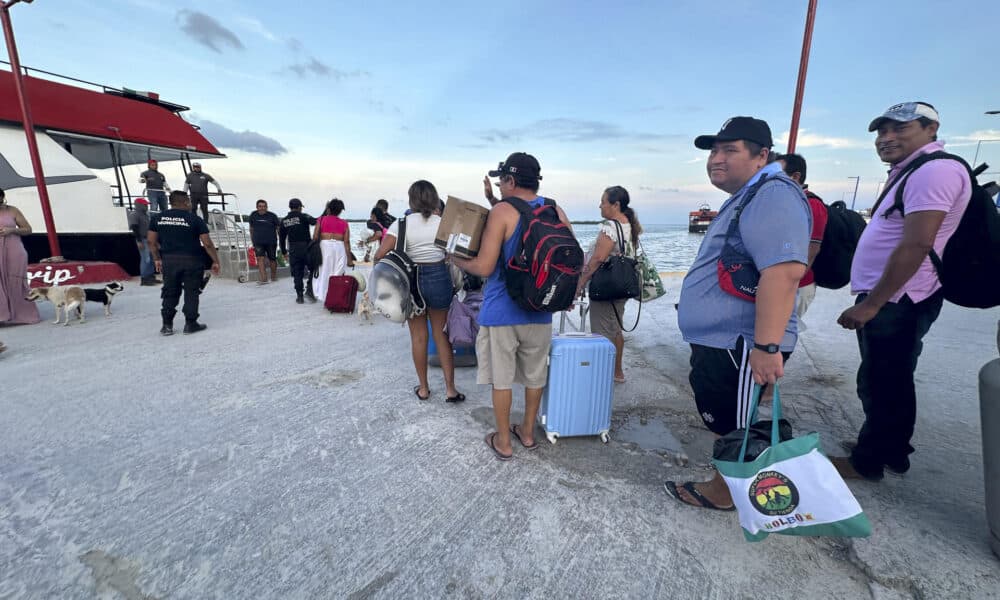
[[769, 348]]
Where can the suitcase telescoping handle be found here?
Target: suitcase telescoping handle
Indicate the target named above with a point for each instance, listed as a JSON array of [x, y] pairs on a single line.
[[577, 303]]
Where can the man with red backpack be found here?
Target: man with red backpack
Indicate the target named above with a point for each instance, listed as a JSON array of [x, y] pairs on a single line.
[[899, 292], [794, 165], [513, 341]]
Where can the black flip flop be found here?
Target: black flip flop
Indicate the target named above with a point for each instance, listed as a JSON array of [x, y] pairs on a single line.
[[513, 431], [459, 397], [671, 488], [416, 391], [489, 442]]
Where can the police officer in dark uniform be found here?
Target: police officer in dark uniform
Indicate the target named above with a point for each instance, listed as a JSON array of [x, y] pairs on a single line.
[[176, 239], [294, 229]]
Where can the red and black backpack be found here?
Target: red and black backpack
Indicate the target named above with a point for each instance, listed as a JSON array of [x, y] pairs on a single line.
[[542, 273]]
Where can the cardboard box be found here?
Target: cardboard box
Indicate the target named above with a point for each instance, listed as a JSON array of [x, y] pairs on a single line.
[[461, 228]]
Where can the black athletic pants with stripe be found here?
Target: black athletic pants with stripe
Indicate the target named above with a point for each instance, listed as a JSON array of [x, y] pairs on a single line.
[[723, 385]]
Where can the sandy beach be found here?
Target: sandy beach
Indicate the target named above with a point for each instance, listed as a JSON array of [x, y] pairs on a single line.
[[282, 454]]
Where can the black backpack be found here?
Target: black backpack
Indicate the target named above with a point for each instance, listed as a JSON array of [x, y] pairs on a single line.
[[314, 258], [543, 272], [832, 266], [971, 258]]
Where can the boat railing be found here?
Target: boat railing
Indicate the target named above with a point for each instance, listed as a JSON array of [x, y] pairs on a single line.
[[231, 238], [107, 89], [216, 200], [29, 70]]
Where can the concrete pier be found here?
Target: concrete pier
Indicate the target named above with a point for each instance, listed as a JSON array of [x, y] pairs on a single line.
[[282, 454]]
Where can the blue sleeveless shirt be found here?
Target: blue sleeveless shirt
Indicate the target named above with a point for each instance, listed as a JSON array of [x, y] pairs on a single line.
[[498, 308]]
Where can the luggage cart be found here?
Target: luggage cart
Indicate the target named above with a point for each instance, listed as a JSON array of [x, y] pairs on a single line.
[[232, 241]]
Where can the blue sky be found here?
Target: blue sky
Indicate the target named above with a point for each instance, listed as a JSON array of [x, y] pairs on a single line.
[[358, 100]]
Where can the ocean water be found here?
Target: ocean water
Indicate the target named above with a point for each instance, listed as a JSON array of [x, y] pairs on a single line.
[[670, 247]]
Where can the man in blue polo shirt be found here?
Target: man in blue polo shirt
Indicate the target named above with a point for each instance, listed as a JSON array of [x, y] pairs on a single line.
[[741, 329]]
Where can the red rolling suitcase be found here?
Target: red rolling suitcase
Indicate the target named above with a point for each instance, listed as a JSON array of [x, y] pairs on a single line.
[[341, 294]]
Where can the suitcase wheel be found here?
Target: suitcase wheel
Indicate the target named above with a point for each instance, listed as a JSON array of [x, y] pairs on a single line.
[[605, 437], [552, 437]]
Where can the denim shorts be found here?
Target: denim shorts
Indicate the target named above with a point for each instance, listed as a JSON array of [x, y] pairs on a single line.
[[435, 285]]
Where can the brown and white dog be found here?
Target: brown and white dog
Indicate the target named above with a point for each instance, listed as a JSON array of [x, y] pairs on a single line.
[[65, 297], [365, 307]]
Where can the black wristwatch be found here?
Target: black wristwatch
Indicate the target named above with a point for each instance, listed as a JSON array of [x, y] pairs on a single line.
[[769, 348]]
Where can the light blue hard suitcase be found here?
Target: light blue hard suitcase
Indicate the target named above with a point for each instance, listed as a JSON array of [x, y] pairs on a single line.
[[577, 399]]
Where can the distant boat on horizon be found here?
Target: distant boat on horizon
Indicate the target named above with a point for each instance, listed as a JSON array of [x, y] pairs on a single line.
[[699, 220]]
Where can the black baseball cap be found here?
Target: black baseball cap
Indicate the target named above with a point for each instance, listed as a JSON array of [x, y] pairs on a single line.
[[738, 128], [294, 203], [520, 165]]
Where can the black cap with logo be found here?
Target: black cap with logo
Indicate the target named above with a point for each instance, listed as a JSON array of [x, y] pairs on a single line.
[[520, 165], [738, 128]]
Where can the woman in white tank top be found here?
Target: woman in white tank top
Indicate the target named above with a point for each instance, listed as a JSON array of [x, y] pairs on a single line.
[[434, 282]]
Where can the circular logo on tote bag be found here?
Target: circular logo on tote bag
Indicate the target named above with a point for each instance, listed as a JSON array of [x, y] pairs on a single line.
[[773, 494]]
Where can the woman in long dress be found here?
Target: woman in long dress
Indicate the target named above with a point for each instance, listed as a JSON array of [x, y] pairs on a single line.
[[14, 267], [335, 246], [619, 228]]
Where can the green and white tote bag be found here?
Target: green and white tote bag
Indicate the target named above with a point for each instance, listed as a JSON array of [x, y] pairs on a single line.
[[791, 488], [652, 285]]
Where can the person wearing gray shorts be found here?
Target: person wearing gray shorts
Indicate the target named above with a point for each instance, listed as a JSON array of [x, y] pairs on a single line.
[[513, 343]]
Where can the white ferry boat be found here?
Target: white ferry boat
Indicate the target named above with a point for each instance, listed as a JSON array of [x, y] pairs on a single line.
[[85, 131]]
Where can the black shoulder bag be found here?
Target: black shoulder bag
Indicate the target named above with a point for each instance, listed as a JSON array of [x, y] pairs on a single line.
[[619, 277]]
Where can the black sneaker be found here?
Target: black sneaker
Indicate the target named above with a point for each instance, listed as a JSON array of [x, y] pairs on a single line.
[[194, 327], [311, 297], [150, 281], [167, 330], [299, 300]]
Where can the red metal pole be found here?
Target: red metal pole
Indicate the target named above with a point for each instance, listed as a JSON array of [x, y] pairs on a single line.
[[800, 86], [29, 132]]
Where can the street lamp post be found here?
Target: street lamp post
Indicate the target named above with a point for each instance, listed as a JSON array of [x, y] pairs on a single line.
[[857, 181], [29, 128], [979, 145]]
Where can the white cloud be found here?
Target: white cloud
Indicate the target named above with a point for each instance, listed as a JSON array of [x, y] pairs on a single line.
[[254, 26], [814, 140], [972, 139]]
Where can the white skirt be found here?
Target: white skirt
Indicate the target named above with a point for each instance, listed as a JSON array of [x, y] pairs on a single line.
[[334, 263]]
